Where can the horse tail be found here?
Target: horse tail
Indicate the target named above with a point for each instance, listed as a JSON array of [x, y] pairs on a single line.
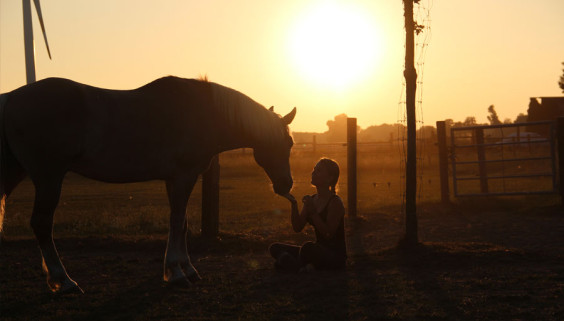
[[3, 150]]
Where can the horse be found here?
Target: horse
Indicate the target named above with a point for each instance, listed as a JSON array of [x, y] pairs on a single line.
[[167, 130]]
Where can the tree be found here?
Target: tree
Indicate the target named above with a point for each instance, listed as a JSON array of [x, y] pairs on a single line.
[[427, 133], [493, 118], [381, 133], [561, 82], [337, 129], [521, 118], [470, 121]]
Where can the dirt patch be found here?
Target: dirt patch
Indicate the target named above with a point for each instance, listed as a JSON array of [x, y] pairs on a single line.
[[500, 265]]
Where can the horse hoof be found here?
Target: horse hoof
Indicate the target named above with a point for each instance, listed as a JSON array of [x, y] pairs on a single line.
[[194, 277], [67, 286], [179, 283], [72, 290]]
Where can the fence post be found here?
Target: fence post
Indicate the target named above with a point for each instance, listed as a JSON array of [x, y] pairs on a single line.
[[479, 134], [210, 200], [314, 143], [560, 140], [518, 136], [443, 160], [351, 165]]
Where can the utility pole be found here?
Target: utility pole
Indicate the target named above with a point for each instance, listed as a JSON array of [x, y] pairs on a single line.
[[410, 74]]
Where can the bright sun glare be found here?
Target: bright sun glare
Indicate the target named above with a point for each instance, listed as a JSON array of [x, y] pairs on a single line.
[[335, 45]]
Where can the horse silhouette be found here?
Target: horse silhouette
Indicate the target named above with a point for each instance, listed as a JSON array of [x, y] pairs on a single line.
[[168, 130]]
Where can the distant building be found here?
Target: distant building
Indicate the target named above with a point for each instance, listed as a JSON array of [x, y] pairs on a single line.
[[548, 108]]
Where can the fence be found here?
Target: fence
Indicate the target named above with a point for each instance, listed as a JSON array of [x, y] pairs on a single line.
[[210, 183], [484, 160], [509, 159]]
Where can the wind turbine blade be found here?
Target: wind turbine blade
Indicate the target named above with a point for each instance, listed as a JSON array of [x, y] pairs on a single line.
[[38, 8]]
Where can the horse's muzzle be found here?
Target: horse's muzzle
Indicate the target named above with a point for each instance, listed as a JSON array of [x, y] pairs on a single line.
[[283, 186]]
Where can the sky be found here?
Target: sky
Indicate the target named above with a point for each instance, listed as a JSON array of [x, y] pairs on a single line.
[[323, 57]]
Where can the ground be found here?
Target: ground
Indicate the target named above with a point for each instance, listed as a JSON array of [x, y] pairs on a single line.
[[471, 266]]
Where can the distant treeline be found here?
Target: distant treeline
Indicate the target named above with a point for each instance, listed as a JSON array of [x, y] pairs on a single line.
[[337, 130]]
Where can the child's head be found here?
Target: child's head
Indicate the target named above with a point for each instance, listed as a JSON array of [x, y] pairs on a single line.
[[329, 171]]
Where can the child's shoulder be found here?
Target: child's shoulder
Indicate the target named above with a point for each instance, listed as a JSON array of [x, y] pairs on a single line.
[[336, 199]]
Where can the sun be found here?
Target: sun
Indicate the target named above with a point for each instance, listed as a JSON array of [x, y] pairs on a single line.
[[335, 45]]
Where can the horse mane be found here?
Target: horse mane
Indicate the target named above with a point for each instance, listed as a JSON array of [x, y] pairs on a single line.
[[245, 115], [249, 117]]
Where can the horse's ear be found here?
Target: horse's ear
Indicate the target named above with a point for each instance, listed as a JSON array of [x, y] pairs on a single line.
[[288, 118], [271, 108]]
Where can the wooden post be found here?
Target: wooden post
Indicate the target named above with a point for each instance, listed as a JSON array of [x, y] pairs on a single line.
[[411, 238], [314, 143], [210, 200], [518, 136], [560, 140], [351, 165], [479, 134], [443, 160]]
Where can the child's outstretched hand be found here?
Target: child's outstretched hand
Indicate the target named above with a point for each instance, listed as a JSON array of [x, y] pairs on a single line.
[[309, 204]]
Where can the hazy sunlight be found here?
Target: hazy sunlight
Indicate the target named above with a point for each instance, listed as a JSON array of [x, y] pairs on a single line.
[[335, 45]]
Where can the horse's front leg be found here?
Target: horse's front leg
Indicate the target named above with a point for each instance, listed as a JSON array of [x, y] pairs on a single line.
[[47, 194], [177, 265]]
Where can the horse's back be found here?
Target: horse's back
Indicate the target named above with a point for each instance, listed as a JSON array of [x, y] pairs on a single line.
[[111, 135]]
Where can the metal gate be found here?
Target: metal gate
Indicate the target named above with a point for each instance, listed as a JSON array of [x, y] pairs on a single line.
[[508, 159]]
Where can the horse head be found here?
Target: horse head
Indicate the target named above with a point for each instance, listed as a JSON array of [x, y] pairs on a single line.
[[274, 158]]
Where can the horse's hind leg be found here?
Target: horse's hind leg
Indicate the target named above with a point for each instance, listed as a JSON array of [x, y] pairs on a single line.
[[11, 175], [47, 193], [12, 179], [177, 267]]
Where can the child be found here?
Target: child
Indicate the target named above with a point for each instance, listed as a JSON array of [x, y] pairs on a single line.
[[325, 212]]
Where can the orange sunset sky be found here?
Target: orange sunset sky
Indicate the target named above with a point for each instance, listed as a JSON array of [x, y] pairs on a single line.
[[324, 57]]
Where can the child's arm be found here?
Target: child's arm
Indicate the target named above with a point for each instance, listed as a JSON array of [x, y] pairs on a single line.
[[298, 219]]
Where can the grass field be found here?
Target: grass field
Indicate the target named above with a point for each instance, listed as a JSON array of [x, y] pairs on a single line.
[[480, 259]]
